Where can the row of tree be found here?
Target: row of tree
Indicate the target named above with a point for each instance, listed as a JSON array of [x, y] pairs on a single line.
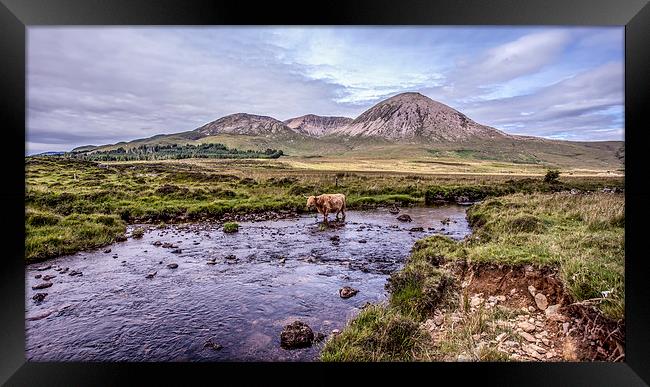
[[175, 151]]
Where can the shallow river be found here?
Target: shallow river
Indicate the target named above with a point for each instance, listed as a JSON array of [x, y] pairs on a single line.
[[113, 313]]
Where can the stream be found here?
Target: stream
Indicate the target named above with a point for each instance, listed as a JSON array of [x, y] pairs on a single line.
[[238, 290]]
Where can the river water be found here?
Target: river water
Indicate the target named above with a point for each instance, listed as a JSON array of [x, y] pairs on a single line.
[[282, 270]]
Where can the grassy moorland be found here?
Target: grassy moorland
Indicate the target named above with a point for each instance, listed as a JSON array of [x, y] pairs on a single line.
[[73, 205], [580, 236]]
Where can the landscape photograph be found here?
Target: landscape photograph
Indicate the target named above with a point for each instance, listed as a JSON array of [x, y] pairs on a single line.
[[325, 194]]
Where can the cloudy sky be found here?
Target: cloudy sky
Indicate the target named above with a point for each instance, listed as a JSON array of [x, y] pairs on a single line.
[[102, 85]]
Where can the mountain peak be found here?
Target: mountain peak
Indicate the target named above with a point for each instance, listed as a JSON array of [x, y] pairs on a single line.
[[314, 125], [244, 123], [411, 115]]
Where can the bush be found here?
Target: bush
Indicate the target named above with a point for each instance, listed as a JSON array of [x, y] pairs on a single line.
[[230, 227], [552, 176], [138, 233]]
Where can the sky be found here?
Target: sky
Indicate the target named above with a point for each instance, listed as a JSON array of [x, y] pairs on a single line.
[[99, 85]]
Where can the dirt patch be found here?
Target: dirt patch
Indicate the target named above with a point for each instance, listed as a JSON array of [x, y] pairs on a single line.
[[514, 282], [500, 318]]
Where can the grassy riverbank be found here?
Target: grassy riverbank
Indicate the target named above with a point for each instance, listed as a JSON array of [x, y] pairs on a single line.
[[73, 205], [578, 238]]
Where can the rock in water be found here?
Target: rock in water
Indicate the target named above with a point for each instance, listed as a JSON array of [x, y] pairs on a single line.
[[177, 251], [212, 345], [151, 275], [404, 218], [347, 292], [43, 268], [172, 265], [107, 251], [42, 285], [416, 229], [38, 297], [296, 335], [48, 277], [335, 238], [541, 301], [319, 337]]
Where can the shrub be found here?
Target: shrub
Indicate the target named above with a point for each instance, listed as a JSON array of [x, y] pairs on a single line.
[[552, 176]]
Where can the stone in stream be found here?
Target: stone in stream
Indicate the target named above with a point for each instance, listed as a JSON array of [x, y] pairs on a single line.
[[157, 243], [318, 337], [404, 218], [38, 297], [120, 238], [168, 245], [107, 251], [42, 285], [37, 276], [362, 241], [151, 275], [231, 257], [347, 292], [172, 265], [43, 268], [48, 277], [212, 261], [335, 238], [296, 335], [416, 229], [114, 256], [65, 270], [75, 273], [212, 345], [177, 251]]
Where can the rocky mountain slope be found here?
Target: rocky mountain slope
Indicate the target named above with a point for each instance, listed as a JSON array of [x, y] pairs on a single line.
[[313, 125], [243, 123], [410, 116]]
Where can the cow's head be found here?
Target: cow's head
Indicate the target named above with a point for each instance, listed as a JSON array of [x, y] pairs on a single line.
[[311, 202]]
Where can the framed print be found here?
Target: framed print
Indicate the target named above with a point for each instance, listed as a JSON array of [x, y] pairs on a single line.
[[418, 186]]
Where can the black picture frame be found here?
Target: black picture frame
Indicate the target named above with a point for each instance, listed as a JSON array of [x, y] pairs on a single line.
[[18, 15]]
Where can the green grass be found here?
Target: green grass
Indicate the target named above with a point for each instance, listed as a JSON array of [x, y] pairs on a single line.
[[376, 334], [50, 235], [582, 236], [230, 227], [199, 189]]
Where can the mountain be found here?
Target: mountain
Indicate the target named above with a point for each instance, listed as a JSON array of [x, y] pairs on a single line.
[[243, 123], [313, 125], [413, 116]]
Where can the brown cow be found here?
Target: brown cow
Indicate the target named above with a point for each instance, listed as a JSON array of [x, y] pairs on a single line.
[[328, 203]]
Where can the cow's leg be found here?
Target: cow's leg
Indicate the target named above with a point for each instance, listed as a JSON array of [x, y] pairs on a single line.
[[343, 211], [337, 214], [325, 216]]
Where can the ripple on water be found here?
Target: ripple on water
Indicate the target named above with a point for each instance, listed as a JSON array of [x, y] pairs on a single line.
[[113, 313]]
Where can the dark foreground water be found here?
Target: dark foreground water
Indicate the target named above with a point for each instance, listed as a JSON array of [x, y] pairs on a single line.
[[113, 313]]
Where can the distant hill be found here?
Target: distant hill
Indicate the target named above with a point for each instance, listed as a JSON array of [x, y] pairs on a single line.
[[242, 123], [408, 125], [313, 125]]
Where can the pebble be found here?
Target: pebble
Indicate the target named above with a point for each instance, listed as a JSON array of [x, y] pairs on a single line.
[[42, 285], [541, 301], [526, 326], [527, 336], [172, 265], [531, 290]]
